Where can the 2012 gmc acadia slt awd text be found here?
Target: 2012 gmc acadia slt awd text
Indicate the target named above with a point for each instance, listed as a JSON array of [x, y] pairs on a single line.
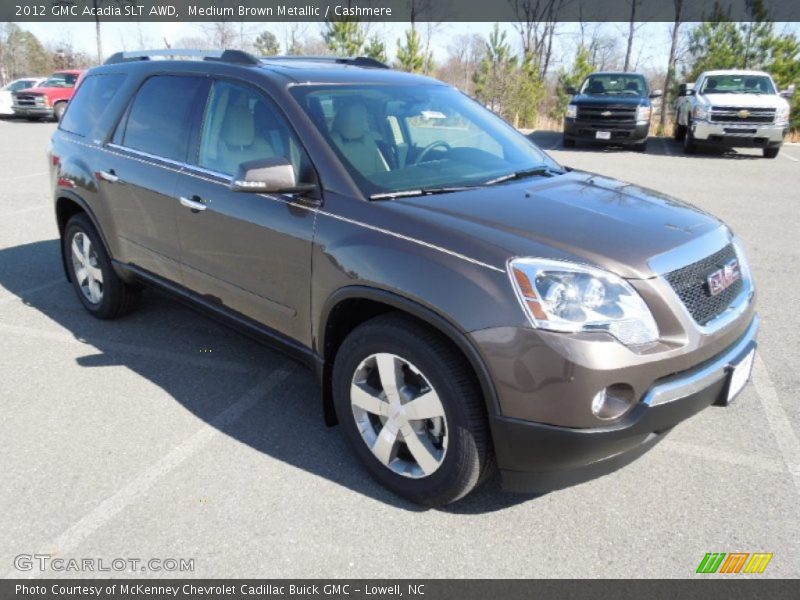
[[466, 301]]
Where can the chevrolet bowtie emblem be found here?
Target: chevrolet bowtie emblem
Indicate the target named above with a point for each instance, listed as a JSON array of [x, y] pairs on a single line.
[[605, 113], [744, 113]]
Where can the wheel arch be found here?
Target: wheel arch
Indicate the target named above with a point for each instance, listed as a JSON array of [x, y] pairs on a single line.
[[348, 307]]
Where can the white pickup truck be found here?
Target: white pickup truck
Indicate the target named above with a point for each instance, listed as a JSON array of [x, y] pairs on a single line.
[[733, 108]]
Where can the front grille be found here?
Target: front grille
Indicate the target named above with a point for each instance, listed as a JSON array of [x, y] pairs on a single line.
[[25, 100], [624, 114], [730, 114], [691, 285]]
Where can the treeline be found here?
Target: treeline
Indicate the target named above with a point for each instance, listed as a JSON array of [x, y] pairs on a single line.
[[520, 71], [23, 55]]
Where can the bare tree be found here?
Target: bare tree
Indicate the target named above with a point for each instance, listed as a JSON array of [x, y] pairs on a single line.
[[536, 26], [673, 51], [633, 27]]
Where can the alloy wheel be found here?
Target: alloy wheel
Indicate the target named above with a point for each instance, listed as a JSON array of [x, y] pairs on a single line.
[[399, 415], [87, 272]]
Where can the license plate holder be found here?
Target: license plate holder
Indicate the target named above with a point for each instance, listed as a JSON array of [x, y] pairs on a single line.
[[739, 375]]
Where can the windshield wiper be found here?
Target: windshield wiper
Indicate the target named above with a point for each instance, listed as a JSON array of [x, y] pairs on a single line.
[[423, 192], [540, 170]]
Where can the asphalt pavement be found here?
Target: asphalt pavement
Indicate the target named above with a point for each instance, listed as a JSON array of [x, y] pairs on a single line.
[[165, 435]]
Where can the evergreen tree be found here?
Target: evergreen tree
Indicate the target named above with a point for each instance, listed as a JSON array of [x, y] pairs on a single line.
[[494, 76], [376, 48], [411, 55], [266, 44], [581, 68], [345, 37]]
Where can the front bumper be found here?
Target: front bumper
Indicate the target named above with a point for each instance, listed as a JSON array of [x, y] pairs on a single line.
[[33, 111], [535, 457], [739, 135], [621, 132]]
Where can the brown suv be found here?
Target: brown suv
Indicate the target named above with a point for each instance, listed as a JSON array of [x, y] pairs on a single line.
[[466, 301]]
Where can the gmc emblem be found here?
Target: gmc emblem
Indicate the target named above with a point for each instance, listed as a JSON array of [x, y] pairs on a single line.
[[724, 278]]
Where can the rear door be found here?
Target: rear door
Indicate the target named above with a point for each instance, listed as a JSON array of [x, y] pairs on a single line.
[[141, 167], [249, 252]]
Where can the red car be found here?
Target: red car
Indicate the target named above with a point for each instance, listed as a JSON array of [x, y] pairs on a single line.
[[49, 100]]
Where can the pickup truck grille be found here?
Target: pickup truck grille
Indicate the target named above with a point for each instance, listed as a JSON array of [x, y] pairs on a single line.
[[736, 114], [610, 114], [25, 99], [691, 285]]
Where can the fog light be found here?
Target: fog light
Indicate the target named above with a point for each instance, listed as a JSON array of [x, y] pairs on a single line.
[[612, 402]]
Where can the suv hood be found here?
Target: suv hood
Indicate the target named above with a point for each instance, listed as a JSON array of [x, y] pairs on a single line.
[[575, 216], [745, 100]]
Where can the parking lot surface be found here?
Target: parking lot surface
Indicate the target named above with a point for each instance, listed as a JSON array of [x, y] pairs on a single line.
[[167, 435]]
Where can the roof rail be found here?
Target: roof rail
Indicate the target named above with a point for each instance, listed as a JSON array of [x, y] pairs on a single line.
[[356, 61], [228, 56]]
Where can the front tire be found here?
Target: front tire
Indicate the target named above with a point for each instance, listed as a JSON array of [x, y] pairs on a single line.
[[412, 410], [568, 142], [689, 144], [771, 152], [58, 111], [98, 286], [679, 132]]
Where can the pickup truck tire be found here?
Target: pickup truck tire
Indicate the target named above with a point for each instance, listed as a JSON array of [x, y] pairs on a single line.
[[98, 286], [568, 143], [771, 152], [58, 111], [641, 147], [689, 145], [679, 132], [421, 362]]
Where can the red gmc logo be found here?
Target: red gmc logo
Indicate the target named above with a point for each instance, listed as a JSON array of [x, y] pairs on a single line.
[[721, 280]]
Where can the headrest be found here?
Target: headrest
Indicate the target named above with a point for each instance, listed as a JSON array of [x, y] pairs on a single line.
[[238, 127], [596, 87], [351, 121], [632, 85]]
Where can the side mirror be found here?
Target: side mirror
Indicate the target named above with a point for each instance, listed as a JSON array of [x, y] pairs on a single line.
[[656, 94], [570, 90], [686, 89], [788, 92], [268, 176]]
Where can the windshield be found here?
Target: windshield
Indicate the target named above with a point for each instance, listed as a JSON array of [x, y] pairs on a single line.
[[614, 84], [22, 84], [737, 84], [63, 80], [401, 138]]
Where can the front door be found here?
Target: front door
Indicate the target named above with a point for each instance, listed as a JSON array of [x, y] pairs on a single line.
[[249, 252]]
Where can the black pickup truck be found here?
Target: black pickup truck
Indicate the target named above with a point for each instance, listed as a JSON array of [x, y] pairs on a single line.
[[611, 108]]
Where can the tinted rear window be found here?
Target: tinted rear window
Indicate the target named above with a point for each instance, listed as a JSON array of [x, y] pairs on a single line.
[[160, 116], [90, 103]]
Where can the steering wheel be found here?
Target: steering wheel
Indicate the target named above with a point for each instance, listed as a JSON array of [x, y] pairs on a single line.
[[430, 147]]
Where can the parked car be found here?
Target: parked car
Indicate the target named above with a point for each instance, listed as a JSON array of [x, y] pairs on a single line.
[[15, 86], [49, 99], [610, 108], [466, 301], [732, 108]]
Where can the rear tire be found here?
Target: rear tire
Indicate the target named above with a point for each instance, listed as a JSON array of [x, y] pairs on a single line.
[[33, 119], [421, 362], [98, 286], [679, 132], [771, 152], [568, 143]]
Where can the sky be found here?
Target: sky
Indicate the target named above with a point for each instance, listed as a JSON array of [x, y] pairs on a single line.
[[650, 48]]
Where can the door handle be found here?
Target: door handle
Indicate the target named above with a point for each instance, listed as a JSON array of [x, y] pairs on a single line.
[[108, 176], [194, 204]]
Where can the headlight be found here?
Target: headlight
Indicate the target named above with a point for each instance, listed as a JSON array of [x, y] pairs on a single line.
[[568, 297], [741, 255], [572, 111], [643, 113], [782, 115], [700, 113]]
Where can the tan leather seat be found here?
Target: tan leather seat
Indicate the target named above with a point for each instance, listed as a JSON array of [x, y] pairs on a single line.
[[351, 134], [239, 141]]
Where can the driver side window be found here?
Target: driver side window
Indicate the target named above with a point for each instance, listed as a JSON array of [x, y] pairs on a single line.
[[241, 125]]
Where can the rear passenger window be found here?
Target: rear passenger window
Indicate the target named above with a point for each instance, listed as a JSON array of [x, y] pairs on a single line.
[[90, 103], [159, 119]]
